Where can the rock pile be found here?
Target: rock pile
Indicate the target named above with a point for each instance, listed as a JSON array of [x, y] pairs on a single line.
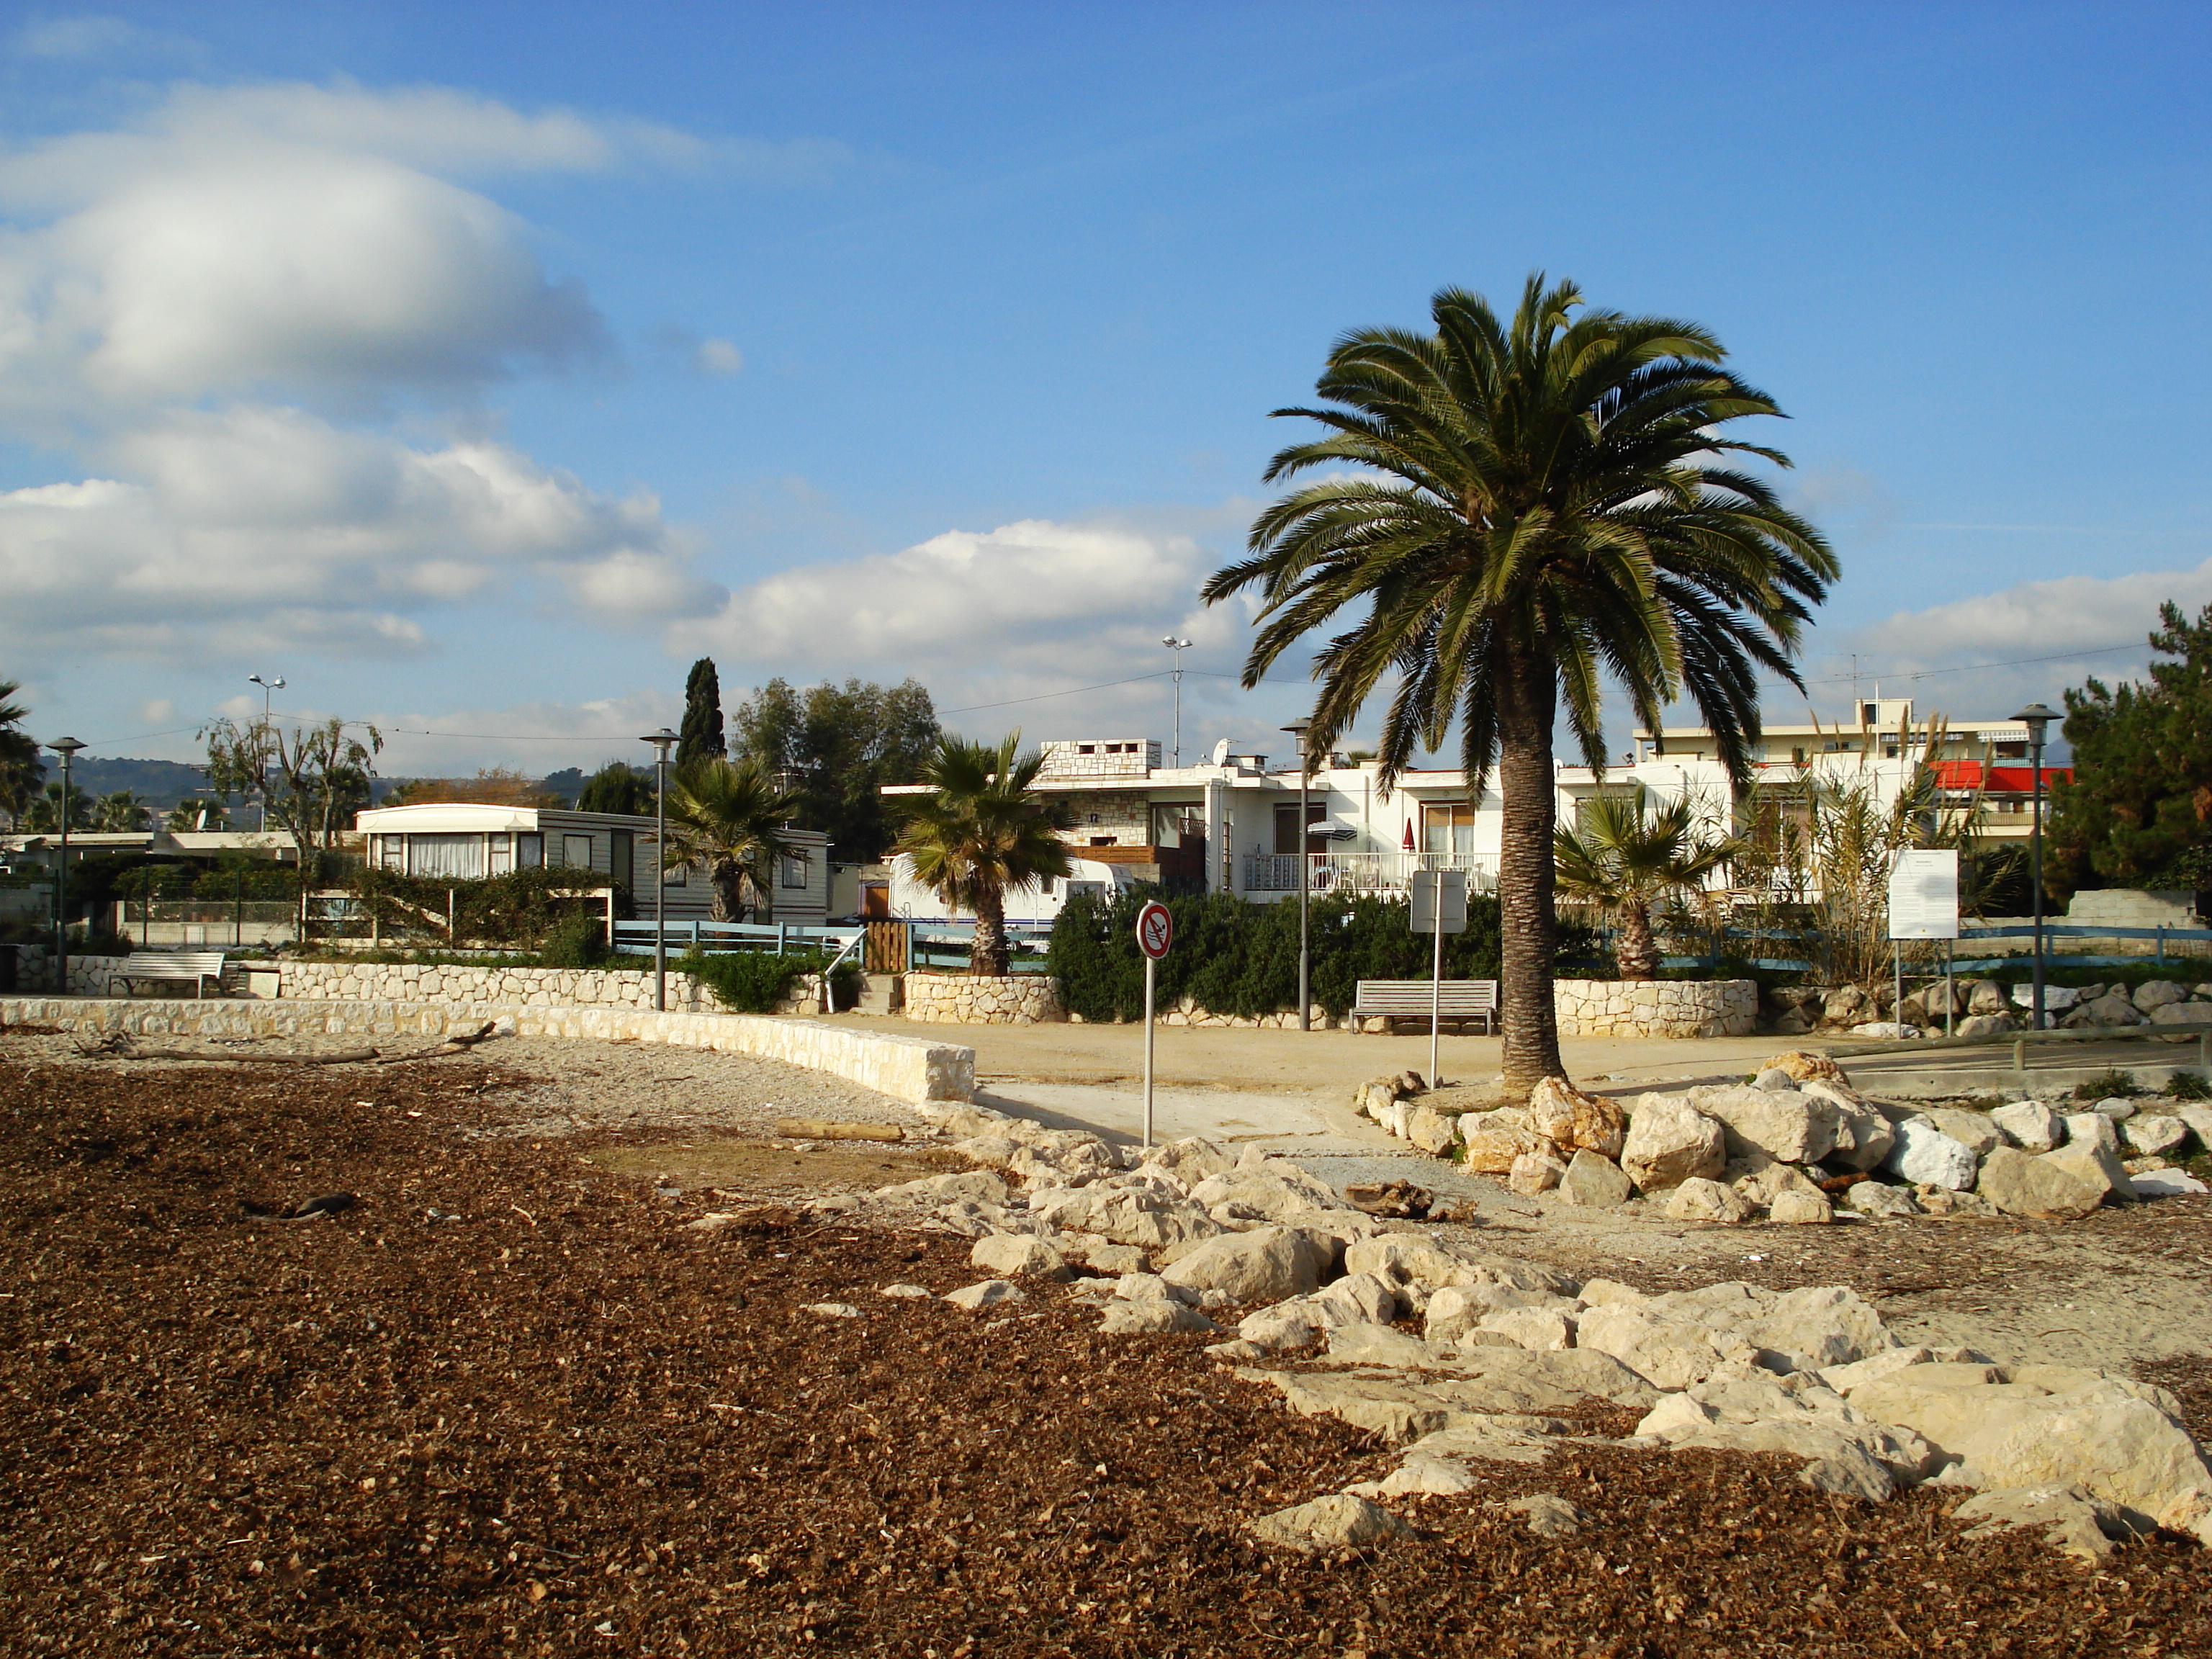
[[1511, 1353], [1798, 1141], [1978, 1007]]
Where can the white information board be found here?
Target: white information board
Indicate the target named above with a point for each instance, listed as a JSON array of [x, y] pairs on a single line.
[[1923, 894], [1438, 896]]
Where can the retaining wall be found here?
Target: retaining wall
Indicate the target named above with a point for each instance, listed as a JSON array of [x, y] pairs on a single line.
[[914, 1069], [1656, 1007], [983, 1000], [527, 987]]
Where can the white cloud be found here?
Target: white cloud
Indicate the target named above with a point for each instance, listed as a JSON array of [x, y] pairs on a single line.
[[718, 357], [157, 711], [1935, 655], [534, 737], [257, 527], [1063, 600]]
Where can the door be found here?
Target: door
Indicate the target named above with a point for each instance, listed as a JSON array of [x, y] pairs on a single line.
[[1286, 828]]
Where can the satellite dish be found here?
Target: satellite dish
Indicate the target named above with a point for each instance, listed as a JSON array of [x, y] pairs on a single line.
[[1221, 752]]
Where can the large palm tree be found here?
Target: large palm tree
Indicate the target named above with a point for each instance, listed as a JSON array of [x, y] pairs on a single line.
[[1521, 510], [1627, 856], [983, 831], [729, 817]]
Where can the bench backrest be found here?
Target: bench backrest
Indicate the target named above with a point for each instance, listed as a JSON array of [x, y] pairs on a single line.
[[1468, 996], [174, 964]]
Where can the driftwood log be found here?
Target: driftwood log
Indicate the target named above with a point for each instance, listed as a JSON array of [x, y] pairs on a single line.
[[118, 1045], [815, 1128]]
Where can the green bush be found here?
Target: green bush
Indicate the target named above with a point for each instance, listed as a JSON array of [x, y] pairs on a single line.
[[754, 981], [2108, 1085], [2189, 1085], [579, 939], [521, 909], [1236, 958]]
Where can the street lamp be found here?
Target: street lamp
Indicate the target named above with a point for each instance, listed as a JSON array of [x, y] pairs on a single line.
[[67, 748], [269, 689], [1299, 728], [2037, 718], [662, 742], [1178, 646]]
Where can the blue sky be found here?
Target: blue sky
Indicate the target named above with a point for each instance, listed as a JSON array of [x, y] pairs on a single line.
[[476, 367]]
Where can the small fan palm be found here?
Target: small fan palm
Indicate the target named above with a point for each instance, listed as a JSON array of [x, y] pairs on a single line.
[[982, 832], [730, 818], [122, 812], [1628, 858]]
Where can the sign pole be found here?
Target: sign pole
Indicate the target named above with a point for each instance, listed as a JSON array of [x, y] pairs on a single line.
[[1437, 994], [1151, 972]]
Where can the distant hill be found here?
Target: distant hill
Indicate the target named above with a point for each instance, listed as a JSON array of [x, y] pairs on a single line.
[[160, 784]]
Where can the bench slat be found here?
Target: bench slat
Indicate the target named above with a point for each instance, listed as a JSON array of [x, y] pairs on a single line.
[[1388, 999]]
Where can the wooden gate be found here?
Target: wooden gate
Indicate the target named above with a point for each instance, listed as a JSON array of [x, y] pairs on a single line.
[[886, 950]]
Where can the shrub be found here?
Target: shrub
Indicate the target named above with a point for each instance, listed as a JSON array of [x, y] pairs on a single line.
[[2107, 1086], [1236, 958], [2189, 1085], [755, 981], [579, 939], [521, 908]]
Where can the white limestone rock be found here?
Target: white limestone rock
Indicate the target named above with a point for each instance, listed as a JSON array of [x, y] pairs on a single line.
[[1267, 1264], [1976, 1131], [1789, 1126], [1882, 1202], [1340, 1521], [1019, 1256], [1670, 1141], [2029, 1124], [991, 1293], [1800, 1209], [1700, 1200], [2093, 1163], [1595, 1182], [2148, 1136], [2071, 1521], [1925, 1156], [1534, 1173], [1153, 1319]]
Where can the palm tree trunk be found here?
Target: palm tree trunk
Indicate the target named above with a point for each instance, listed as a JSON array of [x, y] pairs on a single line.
[[1528, 699], [728, 881], [1637, 954], [988, 952]]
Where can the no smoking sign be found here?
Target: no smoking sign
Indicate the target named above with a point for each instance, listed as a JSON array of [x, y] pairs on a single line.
[[1155, 930]]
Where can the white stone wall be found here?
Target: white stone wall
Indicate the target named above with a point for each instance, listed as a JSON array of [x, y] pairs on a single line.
[[1185, 1010], [981, 999], [915, 1069], [528, 987], [1656, 1007]]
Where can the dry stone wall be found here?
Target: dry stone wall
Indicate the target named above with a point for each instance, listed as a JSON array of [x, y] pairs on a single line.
[[983, 1000], [528, 988], [1657, 1007]]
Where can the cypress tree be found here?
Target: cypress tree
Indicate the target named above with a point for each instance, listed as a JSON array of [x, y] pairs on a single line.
[[701, 736]]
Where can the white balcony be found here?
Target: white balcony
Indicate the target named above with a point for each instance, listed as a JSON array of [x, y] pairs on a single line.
[[1361, 872]]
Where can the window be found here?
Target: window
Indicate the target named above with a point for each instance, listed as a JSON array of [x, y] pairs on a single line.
[[1286, 828], [794, 871], [392, 853], [576, 852], [529, 852], [457, 857], [622, 858], [503, 855], [1084, 748], [1448, 827], [1179, 825]]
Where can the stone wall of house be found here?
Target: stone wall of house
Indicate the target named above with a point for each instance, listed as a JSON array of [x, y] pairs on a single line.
[[917, 1069], [1656, 1007], [983, 1000]]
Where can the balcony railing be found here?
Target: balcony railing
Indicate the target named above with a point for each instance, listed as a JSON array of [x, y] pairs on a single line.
[[1361, 872]]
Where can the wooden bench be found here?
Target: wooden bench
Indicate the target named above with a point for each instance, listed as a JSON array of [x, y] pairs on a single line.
[[1414, 999], [197, 966]]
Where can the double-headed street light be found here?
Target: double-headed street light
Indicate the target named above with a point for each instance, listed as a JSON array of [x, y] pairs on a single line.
[[662, 742], [68, 749], [2037, 718], [270, 687], [1299, 728]]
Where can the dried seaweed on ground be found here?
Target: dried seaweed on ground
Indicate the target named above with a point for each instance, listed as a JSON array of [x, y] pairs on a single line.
[[508, 1403]]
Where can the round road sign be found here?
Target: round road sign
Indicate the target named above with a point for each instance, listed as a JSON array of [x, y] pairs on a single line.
[[1155, 930]]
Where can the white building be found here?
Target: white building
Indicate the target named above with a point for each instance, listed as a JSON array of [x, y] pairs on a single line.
[[1231, 824], [468, 841]]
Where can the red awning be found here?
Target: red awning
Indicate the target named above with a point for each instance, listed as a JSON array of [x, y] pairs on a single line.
[[2001, 780]]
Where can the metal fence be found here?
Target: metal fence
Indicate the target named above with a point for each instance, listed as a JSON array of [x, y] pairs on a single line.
[[890, 946], [196, 923]]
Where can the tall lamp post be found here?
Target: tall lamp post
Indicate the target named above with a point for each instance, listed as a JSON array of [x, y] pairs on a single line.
[[2037, 717], [1299, 728], [662, 742], [1178, 646], [67, 748], [269, 689]]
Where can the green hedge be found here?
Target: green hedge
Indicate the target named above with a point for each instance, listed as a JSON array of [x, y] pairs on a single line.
[[1236, 958], [755, 981], [525, 908]]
